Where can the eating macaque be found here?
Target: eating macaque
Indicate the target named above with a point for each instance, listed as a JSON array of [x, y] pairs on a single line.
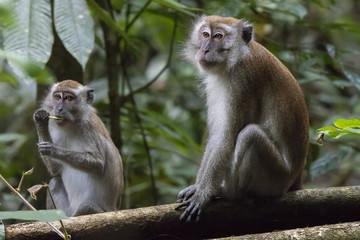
[[84, 164], [256, 113]]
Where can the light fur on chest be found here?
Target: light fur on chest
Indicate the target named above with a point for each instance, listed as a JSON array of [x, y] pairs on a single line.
[[217, 104]]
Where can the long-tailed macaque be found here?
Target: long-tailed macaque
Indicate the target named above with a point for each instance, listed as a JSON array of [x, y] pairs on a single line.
[[257, 117], [84, 164]]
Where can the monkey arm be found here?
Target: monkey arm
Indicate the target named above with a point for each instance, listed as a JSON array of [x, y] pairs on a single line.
[[214, 171], [219, 165], [42, 125], [86, 161], [189, 191], [203, 165]]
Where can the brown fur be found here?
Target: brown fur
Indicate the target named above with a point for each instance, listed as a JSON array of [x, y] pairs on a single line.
[[67, 85], [216, 20], [257, 118]]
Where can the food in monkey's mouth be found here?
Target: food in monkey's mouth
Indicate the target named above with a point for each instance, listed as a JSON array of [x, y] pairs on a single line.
[[55, 117]]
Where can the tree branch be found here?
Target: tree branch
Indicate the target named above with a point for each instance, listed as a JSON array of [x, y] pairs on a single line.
[[343, 231], [112, 49], [222, 218]]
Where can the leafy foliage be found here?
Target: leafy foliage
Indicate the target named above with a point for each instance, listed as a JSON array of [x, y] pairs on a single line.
[[75, 28], [342, 127], [328, 162], [29, 37], [30, 34], [41, 215]]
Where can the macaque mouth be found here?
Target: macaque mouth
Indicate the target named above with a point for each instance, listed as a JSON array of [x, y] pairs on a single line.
[[206, 63], [56, 118]]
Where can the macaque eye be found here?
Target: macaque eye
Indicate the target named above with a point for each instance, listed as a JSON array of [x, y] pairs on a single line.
[[206, 34], [57, 96], [69, 98], [219, 36]]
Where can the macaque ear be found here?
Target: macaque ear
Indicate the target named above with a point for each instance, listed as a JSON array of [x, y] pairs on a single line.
[[90, 96], [247, 33]]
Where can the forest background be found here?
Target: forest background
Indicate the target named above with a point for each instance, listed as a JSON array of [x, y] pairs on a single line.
[[150, 98]]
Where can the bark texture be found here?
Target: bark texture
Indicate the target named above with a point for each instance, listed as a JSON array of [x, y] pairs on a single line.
[[299, 209], [343, 231]]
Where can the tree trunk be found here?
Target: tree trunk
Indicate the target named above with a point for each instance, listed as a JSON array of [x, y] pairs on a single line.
[[222, 218]]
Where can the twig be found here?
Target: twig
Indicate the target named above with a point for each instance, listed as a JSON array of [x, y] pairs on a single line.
[[67, 237], [147, 85], [142, 131], [132, 93], [13, 190], [128, 26]]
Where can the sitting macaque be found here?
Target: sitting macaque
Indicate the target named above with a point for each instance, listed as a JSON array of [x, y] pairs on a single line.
[[257, 118], [85, 165]]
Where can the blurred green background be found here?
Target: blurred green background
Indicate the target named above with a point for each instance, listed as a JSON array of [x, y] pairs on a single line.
[[155, 107]]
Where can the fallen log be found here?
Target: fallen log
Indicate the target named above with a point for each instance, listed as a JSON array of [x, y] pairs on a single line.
[[304, 208], [343, 231]]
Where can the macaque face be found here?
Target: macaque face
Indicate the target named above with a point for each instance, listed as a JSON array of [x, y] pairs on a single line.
[[68, 101], [212, 50], [65, 106], [216, 43]]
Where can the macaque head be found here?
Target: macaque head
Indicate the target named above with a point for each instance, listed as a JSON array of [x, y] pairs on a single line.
[[218, 43], [69, 101]]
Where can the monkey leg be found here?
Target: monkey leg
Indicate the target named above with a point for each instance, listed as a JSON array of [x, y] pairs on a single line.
[[259, 167], [87, 208], [59, 194]]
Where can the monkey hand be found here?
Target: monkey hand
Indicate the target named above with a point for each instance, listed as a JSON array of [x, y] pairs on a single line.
[[194, 206], [41, 115], [46, 148], [186, 193]]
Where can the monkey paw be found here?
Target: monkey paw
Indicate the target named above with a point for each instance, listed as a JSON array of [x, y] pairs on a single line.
[[186, 193], [194, 207], [41, 115], [45, 148]]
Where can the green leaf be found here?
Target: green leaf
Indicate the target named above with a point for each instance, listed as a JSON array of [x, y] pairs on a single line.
[[117, 4], [342, 83], [341, 133], [26, 68], [353, 77], [41, 215], [328, 162], [331, 50], [7, 78], [10, 137], [297, 9], [289, 7], [6, 13], [345, 124], [328, 130], [28, 40], [75, 28], [177, 6], [31, 35], [2, 230], [344, 132], [106, 18]]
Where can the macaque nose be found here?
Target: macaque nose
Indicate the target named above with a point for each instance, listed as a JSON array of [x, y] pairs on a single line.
[[60, 107]]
